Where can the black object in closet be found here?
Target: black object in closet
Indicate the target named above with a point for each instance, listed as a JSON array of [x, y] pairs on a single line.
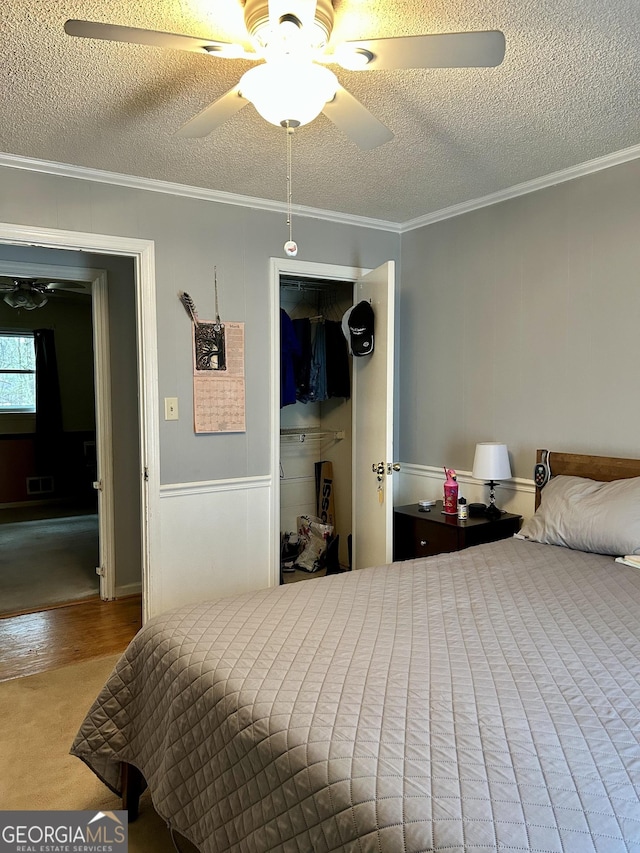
[[318, 357]]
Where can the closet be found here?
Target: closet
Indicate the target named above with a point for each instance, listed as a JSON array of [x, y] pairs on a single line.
[[316, 431]]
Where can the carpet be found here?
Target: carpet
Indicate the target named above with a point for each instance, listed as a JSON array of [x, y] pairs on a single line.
[[40, 716], [48, 561]]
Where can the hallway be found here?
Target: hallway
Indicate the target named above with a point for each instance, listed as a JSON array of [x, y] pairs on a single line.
[[48, 556]]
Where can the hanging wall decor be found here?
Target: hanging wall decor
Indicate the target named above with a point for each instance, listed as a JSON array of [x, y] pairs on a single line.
[[218, 371]]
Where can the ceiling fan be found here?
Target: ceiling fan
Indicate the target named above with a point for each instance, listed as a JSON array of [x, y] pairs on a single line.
[[292, 85], [30, 293]]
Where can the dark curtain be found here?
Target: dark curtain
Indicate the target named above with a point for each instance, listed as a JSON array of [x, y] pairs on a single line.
[[48, 406]]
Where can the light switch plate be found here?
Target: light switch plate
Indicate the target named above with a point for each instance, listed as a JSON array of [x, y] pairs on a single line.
[[171, 408]]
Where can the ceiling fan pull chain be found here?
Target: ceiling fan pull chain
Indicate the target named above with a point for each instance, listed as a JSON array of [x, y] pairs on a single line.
[[290, 247], [289, 187], [215, 290]]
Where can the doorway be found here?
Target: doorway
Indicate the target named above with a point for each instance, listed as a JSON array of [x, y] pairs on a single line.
[[49, 509], [372, 411], [315, 428], [137, 451]]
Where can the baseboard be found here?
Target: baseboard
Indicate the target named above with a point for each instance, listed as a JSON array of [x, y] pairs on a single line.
[[27, 504]]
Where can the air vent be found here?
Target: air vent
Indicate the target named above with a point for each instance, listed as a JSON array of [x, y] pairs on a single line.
[[39, 485]]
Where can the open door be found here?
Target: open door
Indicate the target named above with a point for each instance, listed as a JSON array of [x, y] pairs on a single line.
[[373, 426], [104, 432]]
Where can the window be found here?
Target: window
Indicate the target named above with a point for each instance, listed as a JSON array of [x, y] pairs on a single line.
[[17, 372]]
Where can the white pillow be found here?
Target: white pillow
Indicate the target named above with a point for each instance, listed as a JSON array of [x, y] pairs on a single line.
[[588, 515]]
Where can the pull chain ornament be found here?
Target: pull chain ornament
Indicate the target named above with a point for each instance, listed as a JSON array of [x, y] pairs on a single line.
[[290, 247]]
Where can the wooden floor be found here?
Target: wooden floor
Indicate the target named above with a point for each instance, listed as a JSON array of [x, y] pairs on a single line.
[[35, 642]]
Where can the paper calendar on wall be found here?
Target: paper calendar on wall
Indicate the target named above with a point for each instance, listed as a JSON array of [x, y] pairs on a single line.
[[218, 377]]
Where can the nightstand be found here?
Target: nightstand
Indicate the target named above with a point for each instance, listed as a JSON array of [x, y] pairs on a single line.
[[417, 533]]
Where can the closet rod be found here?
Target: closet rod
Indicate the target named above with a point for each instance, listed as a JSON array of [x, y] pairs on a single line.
[[312, 432], [302, 287]]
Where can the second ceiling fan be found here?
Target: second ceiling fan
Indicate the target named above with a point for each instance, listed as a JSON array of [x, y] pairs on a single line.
[[292, 84], [31, 293]]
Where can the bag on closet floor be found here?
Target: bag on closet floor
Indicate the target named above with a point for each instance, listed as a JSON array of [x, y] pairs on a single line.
[[315, 535]]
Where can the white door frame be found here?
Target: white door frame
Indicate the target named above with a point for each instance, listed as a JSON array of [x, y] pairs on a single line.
[[143, 254], [304, 269], [97, 279], [104, 433]]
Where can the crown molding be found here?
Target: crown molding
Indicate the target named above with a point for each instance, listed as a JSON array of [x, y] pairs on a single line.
[[83, 173], [570, 174]]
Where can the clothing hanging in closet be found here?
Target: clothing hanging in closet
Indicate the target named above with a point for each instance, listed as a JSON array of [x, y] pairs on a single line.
[[289, 350], [314, 360], [302, 361]]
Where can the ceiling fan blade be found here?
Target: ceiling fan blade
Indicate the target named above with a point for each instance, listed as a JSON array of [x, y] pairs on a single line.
[[355, 120], [67, 285], [440, 50], [214, 115], [153, 38]]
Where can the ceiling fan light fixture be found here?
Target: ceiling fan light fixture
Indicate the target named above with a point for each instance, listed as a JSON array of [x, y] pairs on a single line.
[[353, 58], [272, 24], [289, 93], [27, 299]]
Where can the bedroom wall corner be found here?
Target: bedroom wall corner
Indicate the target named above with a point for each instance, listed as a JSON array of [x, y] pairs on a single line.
[[519, 323]]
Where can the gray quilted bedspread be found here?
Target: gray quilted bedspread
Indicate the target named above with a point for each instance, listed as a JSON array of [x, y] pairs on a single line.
[[479, 701]]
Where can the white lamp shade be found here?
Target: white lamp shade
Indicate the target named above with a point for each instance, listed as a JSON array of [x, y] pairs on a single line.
[[491, 461], [289, 90]]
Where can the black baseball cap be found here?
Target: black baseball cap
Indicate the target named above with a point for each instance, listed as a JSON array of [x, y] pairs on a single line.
[[361, 321]]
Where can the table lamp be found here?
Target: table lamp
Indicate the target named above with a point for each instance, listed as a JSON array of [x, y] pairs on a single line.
[[491, 463]]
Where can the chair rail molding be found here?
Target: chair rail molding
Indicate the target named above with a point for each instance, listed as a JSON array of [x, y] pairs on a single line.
[[425, 482]]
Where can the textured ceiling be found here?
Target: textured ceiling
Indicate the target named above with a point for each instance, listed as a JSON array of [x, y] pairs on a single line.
[[567, 92]]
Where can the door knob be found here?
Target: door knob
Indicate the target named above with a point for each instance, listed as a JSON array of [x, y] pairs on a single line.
[[392, 467]]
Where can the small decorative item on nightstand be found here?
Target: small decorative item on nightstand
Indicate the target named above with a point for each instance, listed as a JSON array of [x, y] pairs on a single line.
[[477, 510], [450, 492], [463, 509]]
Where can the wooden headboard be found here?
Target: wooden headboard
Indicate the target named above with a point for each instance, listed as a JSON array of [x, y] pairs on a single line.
[[604, 468]]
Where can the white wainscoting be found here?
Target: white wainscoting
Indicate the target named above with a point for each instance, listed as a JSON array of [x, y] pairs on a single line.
[[216, 537], [425, 482], [215, 540]]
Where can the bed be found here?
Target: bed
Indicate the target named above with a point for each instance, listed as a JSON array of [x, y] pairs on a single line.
[[479, 701]]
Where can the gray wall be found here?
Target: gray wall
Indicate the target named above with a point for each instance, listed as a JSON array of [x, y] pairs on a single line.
[[520, 322], [517, 322], [190, 237]]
